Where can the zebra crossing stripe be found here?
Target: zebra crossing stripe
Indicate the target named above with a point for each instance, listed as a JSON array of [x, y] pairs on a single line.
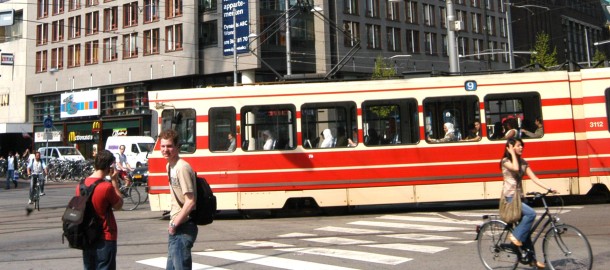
[[338, 241], [266, 260], [292, 235], [351, 230], [406, 226], [409, 247], [161, 262], [421, 237], [263, 244], [430, 219], [350, 255]]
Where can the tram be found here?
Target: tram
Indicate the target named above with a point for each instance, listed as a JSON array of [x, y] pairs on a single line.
[[376, 142]]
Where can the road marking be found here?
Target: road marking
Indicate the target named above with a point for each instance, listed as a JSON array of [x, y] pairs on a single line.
[[430, 219], [338, 241], [351, 255], [421, 237], [409, 247], [161, 262], [461, 242], [289, 235], [263, 244], [270, 261], [351, 230], [406, 226]]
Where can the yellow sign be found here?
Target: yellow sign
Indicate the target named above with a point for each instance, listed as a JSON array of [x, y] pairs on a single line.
[[96, 126], [72, 136]]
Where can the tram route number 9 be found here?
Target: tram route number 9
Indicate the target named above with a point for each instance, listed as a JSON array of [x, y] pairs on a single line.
[[470, 85], [596, 124]]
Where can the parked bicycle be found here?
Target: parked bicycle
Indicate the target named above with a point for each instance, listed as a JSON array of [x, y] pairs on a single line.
[[563, 246]]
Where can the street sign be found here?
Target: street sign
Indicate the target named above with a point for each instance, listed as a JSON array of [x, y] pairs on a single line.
[[48, 122]]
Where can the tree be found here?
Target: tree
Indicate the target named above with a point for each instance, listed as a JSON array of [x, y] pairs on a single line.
[[541, 53], [599, 56], [383, 68]]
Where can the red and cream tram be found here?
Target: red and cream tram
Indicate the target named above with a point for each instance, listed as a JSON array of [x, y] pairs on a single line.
[[384, 143]]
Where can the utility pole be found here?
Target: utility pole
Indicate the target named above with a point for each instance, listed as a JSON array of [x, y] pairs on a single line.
[[509, 36], [288, 52], [451, 42], [234, 47]]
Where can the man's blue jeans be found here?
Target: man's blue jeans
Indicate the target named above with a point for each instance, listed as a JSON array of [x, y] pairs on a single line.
[[179, 247], [102, 256], [10, 176]]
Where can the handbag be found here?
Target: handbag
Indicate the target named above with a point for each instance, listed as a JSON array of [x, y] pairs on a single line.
[[510, 212]]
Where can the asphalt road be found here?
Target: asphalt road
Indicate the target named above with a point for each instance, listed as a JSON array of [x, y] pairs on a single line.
[[425, 236]]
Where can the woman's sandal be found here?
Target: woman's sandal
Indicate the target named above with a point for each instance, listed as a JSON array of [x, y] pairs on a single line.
[[539, 265], [515, 241]]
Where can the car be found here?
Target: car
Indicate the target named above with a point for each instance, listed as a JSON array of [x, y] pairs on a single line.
[[61, 153]]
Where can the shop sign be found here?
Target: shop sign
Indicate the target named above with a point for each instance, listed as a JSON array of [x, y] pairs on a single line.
[[8, 59], [96, 127], [77, 104], [40, 136], [73, 137], [119, 132]]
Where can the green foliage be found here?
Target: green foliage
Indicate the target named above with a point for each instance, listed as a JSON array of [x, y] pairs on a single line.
[[544, 55], [383, 111], [383, 68], [599, 56]]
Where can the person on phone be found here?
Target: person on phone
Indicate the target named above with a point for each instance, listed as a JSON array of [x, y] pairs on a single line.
[[514, 167], [105, 196]]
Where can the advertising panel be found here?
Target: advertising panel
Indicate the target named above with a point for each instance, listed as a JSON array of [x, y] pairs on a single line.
[[241, 26], [77, 104]]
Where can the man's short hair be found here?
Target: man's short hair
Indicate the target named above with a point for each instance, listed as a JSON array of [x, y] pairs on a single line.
[[103, 160], [169, 134]]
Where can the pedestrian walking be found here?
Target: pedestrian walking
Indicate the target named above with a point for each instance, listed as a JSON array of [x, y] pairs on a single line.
[[182, 230], [10, 170]]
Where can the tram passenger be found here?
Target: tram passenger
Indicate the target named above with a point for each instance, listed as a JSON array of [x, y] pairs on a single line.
[[511, 125], [449, 134], [353, 141], [268, 140], [539, 129], [328, 139], [498, 131], [513, 168], [372, 138], [232, 142], [474, 132], [341, 137]]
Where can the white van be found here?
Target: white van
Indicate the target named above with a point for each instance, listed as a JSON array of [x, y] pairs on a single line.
[[137, 148], [61, 153]]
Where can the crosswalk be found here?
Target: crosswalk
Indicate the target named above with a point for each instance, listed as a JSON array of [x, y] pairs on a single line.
[[389, 240]]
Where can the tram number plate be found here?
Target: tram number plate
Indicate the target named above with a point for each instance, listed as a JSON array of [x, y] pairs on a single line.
[[470, 85]]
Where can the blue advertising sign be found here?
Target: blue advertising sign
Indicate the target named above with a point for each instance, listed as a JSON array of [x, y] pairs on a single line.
[[242, 26]]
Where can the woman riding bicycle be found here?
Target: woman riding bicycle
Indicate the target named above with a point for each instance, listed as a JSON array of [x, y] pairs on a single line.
[[513, 168], [36, 168]]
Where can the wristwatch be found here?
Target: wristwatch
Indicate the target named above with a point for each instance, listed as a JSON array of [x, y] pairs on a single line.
[[171, 224]]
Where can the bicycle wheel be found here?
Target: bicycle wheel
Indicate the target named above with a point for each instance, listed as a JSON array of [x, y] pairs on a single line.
[[131, 199], [567, 248], [495, 249], [37, 197]]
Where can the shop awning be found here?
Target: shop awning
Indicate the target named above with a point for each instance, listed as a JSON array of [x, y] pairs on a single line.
[[15, 128]]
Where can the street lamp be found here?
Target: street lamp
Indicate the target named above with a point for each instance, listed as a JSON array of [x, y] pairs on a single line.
[[451, 42], [234, 48]]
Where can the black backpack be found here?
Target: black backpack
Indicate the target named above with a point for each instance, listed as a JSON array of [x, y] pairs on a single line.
[[81, 226], [206, 203]]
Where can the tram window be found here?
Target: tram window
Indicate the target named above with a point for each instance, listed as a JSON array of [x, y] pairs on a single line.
[[268, 127], [390, 122], [338, 117], [221, 123], [183, 121], [517, 111], [456, 113]]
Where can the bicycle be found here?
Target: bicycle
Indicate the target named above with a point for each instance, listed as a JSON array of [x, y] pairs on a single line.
[[36, 191], [564, 246], [129, 192]]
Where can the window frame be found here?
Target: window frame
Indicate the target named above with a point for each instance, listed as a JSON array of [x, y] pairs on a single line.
[[183, 121], [222, 121], [341, 117], [404, 130], [529, 108], [459, 110], [287, 128]]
